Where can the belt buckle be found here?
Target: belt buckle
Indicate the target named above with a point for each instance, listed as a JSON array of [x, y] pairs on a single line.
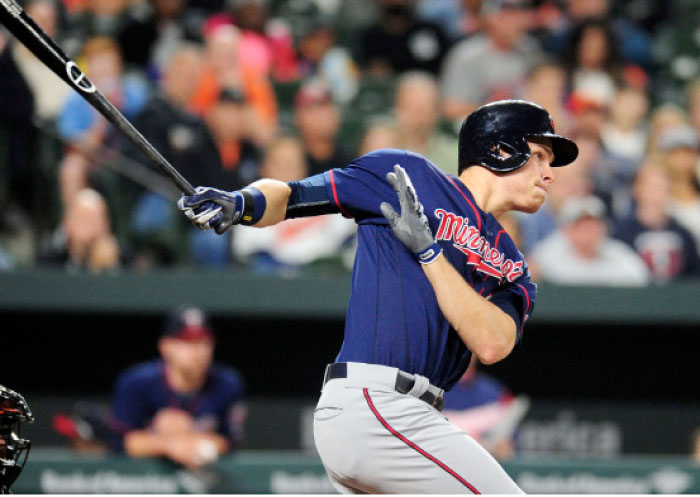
[[438, 402]]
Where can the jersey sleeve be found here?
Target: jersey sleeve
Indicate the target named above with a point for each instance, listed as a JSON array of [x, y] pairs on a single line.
[[517, 299], [359, 189]]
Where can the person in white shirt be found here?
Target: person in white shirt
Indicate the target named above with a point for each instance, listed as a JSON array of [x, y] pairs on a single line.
[[580, 252], [294, 243]]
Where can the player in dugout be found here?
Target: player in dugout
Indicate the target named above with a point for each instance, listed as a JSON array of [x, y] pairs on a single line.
[[183, 406], [436, 279]]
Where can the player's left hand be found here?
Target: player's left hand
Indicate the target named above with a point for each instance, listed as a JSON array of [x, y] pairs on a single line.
[[185, 449], [411, 226], [212, 208]]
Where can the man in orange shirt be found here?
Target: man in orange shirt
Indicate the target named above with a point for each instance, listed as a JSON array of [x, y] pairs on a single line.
[[223, 70]]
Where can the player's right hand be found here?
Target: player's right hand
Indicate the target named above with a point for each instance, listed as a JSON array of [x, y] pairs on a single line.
[[212, 208], [411, 225]]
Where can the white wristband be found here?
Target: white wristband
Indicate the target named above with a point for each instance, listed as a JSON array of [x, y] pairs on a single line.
[[207, 451]]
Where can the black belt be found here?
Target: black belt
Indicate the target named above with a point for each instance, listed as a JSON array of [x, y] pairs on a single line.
[[404, 383]]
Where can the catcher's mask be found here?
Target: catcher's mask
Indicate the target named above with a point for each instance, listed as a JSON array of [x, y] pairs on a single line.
[[13, 450], [495, 136]]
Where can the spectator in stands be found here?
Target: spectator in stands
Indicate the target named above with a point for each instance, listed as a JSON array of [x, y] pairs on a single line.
[[320, 56], [295, 243], [103, 65], [680, 149], [664, 116], [547, 17], [232, 122], [621, 135], [668, 249], [153, 32], [487, 409], [635, 42], [50, 92], [399, 42], [185, 140], [84, 240], [608, 181], [491, 65], [624, 136], [88, 134], [318, 120], [458, 18], [355, 16], [546, 85], [183, 407], [417, 110], [381, 133], [580, 252], [266, 44], [93, 19], [223, 69], [594, 65], [589, 106]]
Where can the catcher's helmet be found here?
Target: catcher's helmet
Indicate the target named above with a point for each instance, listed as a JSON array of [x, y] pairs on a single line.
[[504, 126], [13, 450]]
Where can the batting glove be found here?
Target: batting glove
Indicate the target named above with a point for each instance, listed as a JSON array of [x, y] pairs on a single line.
[[212, 208], [411, 226]]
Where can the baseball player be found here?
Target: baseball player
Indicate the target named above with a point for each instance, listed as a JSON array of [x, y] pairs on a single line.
[[184, 406], [436, 279]]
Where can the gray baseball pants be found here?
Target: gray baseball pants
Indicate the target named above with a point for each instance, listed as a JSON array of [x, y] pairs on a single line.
[[373, 439]]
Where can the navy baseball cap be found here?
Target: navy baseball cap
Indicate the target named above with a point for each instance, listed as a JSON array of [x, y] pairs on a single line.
[[188, 323]]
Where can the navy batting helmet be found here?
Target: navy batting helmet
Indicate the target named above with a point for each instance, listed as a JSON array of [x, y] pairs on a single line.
[[495, 136]]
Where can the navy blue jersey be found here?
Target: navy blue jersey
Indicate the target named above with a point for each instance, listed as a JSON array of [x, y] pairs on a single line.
[[142, 390], [393, 316]]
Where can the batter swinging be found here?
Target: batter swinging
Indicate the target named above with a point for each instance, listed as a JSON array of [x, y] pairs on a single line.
[[436, 279]]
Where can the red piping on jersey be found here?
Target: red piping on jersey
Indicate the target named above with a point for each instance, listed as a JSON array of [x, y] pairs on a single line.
[[335, 194], [478, 217], [414, 446], [527, 298], [498, 238]]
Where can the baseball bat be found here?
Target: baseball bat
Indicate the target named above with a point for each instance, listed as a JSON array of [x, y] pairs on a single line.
[[23, 27]]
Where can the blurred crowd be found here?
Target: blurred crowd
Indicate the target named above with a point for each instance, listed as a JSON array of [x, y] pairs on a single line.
[[233, 90]]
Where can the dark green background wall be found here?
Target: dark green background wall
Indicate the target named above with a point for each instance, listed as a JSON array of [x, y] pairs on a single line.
[[73, 334]]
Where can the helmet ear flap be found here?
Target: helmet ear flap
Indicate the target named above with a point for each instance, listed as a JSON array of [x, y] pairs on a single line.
[[504, 150], [505, 157]]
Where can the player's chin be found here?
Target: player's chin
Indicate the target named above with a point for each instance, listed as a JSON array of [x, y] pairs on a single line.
[[532, 204]]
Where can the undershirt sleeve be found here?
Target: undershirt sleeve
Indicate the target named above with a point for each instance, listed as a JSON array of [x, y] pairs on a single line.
[[309, 197]]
